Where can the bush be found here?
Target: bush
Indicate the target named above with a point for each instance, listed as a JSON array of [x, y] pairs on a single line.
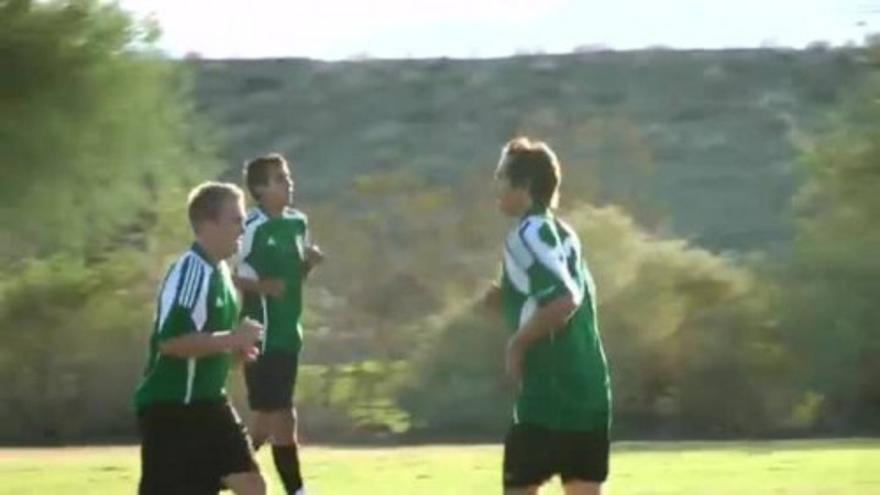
[[686, 334]]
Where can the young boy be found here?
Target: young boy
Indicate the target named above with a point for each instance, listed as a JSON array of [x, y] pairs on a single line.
[[562, 414], [192, 439], [276, 257]]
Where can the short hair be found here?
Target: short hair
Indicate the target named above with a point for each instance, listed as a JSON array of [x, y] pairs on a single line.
[[532, 165], [256, 171], [207, 199]]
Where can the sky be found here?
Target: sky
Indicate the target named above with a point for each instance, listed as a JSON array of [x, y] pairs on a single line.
[[336, 30]]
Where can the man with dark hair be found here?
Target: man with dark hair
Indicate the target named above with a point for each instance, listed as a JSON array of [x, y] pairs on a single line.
[[562, 415], [192, 439], [276, 257]]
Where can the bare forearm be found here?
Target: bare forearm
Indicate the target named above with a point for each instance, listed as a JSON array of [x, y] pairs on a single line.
[[307, 269], [492, 300], [246, 284], [547, 319], [313, 258], [198, 345]]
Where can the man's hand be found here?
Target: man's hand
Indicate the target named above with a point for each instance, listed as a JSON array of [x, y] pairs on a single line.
[[491, 299], [247, 356], [313, 255], [265, 286], [271, 287], [549, 318], [246, 336], [514, 359], [199, 344]]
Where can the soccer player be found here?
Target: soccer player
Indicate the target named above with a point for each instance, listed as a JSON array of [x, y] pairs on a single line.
[[561, 418], [192, 439], [276, 257]]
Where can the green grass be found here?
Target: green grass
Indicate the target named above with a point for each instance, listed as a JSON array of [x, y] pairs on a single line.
[[850, 467]]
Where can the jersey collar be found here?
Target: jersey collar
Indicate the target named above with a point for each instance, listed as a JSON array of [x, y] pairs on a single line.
[[267, 215], [536, 210], [200, 251]]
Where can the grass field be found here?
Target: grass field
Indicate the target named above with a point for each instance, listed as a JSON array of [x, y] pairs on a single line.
[[846, 467]]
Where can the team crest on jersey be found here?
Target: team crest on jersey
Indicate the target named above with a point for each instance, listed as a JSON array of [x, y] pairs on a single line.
[[271, 241]]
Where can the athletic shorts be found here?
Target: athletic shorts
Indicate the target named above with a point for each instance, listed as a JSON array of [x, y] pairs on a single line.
[[533, 454], [189, 449], [271, 381]]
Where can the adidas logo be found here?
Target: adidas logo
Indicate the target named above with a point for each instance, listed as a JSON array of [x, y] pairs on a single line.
[[271, 241]]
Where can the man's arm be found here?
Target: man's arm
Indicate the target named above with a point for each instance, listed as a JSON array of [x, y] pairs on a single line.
[[248, 272], [268, 286], [491, 300], [313, 257], [552, 286], [196, 345], [547, 319]]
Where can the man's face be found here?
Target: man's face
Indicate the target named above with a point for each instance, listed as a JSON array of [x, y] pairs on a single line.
[[225, 232], [512, 201], [279, 189]]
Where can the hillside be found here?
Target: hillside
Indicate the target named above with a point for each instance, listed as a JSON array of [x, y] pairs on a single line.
[[698, 144]]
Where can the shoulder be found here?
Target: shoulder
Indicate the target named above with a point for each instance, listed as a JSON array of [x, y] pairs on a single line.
[[539, 232], [295, 214], [255, 219], [295, 218], [186, 277]]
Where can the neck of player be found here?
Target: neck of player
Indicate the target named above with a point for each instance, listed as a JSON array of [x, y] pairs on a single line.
[[273, 210], [212, 250]]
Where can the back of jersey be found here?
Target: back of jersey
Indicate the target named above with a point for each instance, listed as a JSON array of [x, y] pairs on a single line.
[[566, 379]]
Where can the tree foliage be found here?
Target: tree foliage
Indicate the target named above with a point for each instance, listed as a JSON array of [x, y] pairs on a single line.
[[95, 122]]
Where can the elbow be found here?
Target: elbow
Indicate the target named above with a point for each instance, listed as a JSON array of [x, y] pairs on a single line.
[[563, 309], [569, 306], [171, 349], [240, 283]]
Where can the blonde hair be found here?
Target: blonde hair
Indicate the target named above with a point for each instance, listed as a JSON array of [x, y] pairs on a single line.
[[206, 200]]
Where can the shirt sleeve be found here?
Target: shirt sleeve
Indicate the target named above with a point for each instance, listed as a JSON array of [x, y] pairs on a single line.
[[549, 274], [248, 262], [182, 300]]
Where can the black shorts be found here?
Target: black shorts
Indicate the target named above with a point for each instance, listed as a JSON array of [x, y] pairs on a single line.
[[189, 449], [271, 381], [533, 454]]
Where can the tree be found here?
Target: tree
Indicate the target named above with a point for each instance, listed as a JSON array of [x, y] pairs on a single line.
[[833, 281], [98, 144], [95, 122]]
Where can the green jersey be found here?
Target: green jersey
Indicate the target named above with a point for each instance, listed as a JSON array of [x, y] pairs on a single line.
[[565, 384], [274, 247], [196, 295]]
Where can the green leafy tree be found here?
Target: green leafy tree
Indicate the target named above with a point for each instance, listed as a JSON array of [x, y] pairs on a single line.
[[833, 281], [95, 122]]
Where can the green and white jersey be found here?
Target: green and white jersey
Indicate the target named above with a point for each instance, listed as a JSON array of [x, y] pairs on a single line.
[[196, 295], [274, 247], [565, 383]]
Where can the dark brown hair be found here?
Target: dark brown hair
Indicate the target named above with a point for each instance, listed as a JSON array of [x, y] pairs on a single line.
[[532, 165], [256, 171]]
